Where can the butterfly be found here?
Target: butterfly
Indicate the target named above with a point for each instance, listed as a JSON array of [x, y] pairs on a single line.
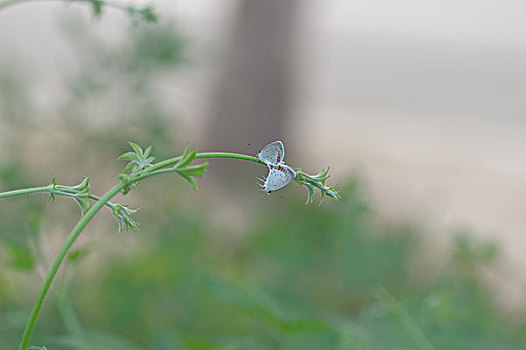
[[280, 175]]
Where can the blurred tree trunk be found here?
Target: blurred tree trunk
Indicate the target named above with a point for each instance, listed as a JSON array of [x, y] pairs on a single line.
[[252, 101]]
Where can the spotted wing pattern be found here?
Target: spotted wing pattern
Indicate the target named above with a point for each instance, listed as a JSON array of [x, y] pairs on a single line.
[[278, 177], [272, 154]]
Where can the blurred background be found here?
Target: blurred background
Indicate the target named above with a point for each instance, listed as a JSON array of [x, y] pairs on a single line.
[[418, 107]]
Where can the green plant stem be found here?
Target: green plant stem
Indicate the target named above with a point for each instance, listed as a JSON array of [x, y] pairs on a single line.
[[154, 170], [117, 5], [26, 337], [25, 191], [158, 168], [151, 171], [203, 155], [49, 189]]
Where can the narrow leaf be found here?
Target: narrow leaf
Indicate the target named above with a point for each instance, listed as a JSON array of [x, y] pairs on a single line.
[[195, 170], [85, 204], [147, 151], [310, 195], [187, 157], [128, 156], [191, 181], [83, 186], [136, 148], [51, 199]]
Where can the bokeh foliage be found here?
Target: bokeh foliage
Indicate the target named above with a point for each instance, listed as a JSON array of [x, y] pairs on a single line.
[[299, 277]]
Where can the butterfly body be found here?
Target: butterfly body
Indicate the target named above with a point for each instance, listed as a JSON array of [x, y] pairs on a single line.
[[280, 174]]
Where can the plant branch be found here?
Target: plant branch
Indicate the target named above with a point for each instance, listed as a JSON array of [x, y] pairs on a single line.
[[114, 4], [144, 12], [7, 3], [141, 168], [26, 337], [64, 191], [159, 168], [204, 155], [25, 191], [86, 218]]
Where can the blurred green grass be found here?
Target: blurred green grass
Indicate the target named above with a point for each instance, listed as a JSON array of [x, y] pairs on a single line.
[[311, 277], [300, 277]]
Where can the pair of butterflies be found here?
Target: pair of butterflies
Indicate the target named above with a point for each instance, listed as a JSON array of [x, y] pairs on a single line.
[[280, 175]]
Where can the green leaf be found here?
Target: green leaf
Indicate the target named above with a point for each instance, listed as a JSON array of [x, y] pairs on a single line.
[[51, 199], [187, 157], [331, 192], [85, 204], [310, 194], [137, 162], [322, 193], [195, 170], [191, 181], [130, 224], [128, 156], [313, 182], [122, 213], [147, 151], [83, 186], [189, 172], [137, 149]]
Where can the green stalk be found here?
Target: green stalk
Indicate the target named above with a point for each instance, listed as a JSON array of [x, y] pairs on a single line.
[[26, 337], [25, 191], [49, 189], [114, 4], [151, 171], [157, 169], [204, 155]]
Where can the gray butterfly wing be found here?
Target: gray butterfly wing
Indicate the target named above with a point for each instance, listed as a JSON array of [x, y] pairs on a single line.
[[278, 177], [272, 154]]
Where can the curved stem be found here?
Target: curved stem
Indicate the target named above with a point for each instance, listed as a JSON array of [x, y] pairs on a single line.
[[26, 337], [7, 3], [158, 169], [203, 155], [151, 171]]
